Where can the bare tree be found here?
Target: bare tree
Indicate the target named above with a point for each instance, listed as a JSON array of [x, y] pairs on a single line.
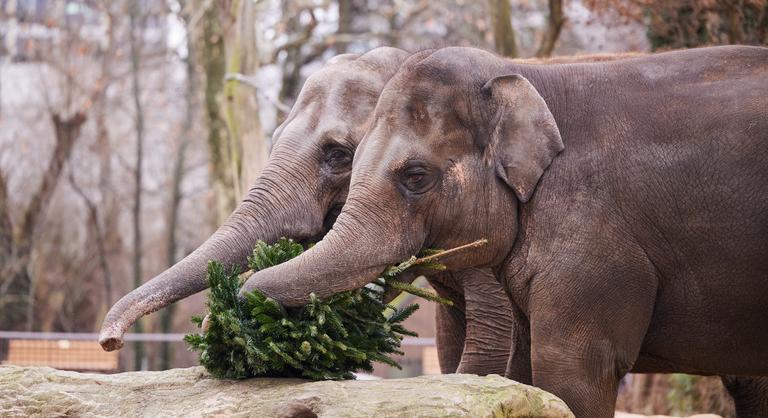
[[503, 32], [135, 25], [167, 314], [691, 23], [294, 58], [247, 140], [27, 253], [213, 59], [228, 49], [98, 232], [102, 226], [346, 16], [555, 23], [16, 288]]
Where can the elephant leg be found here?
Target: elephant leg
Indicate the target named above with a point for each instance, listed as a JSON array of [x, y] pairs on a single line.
[[750, 395], [449, 336], [586, 334], [489, 319], [587, 379], [450, 323], [519, 364]]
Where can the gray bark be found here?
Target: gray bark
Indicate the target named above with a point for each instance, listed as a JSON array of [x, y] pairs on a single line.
[[139, 127], [503, 32]]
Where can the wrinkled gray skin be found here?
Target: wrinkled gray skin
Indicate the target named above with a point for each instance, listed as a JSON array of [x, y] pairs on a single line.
[[299, 194], [644, 245]]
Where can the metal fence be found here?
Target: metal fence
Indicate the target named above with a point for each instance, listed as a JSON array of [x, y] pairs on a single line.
[[82, 352]]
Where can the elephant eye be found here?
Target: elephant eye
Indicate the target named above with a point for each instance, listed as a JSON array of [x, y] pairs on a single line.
[[337, 158], [417, 179]]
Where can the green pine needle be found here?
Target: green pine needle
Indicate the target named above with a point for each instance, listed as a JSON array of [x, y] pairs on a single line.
[[325, 339]]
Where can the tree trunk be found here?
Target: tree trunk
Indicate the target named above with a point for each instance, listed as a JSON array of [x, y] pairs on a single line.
[[139, 126], [101, 251], [241, 105], [346, 10], [503, 32], [166, 315], [762, 26], [105, 224], [294, 60], [554, 27], [735, 30], [6, 227], [16, 287], [214, 63], [106, 235]]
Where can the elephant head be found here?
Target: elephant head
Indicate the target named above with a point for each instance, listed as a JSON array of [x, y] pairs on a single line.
[[458, 141], [298, 194]]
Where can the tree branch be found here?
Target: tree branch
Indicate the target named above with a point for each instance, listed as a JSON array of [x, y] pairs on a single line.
[[67, 131], [93, 217], [248, 81], [300, 39]]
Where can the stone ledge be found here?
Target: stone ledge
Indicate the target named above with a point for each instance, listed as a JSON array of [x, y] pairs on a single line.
[[42, 391]]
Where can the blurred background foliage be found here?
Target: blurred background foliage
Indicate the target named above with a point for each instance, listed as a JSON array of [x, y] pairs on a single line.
[[129, 129]]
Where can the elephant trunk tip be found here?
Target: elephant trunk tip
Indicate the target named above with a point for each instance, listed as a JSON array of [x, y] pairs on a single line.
[[111, 335], [110, 342]]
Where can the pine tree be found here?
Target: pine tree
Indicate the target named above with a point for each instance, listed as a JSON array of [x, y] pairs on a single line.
[[325, 339]]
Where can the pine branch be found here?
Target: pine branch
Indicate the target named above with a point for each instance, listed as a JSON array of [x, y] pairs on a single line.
[[419, 292], [325, 339]]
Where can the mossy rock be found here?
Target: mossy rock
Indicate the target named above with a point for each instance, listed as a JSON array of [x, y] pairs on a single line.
[[192, 392]]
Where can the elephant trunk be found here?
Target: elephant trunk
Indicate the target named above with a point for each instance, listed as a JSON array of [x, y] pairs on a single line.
[[349, 257], [256, 218]]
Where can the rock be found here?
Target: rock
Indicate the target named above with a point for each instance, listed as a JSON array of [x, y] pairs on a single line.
[[620, 414], [42, 391]]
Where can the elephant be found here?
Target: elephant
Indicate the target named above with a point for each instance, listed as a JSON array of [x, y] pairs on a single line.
[[624, 203], [299, 194]]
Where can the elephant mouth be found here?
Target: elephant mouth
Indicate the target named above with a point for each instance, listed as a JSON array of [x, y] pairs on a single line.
[[330, 217], [328, 221]]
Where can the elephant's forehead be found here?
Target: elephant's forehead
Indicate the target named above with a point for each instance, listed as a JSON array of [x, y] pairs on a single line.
[[380, 147], [420, 100], [414, 95], [330, 105], [421, 116], [343, 99], [393, 145], [342, 86]]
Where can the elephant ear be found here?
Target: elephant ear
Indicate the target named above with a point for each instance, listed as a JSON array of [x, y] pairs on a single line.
[[525, 137]]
